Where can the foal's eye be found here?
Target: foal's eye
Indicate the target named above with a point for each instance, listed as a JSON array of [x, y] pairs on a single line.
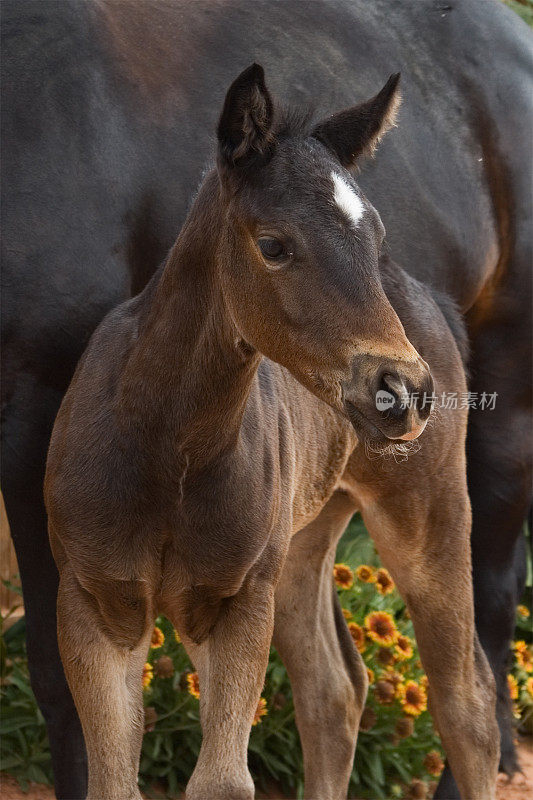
[[271, 248]]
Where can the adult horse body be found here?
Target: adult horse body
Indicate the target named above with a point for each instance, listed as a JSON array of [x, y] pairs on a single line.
[[104, 140]]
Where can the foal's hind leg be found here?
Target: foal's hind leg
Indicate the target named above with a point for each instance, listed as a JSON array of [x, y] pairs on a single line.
[[327, 673], [422, 534], [104, 671]]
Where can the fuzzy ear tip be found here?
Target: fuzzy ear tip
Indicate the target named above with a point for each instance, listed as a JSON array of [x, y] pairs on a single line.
[[255, 71], [393, 81]]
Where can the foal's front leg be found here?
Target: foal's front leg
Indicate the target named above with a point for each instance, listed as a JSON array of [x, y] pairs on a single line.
[[103, 639], [231, 665], [423, 536]]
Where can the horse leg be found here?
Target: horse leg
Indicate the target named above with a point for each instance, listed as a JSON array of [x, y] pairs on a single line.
[[327, 674], [103, 665], [25, 441], [500, 492], [231, 664], [424, 539], [499, 462]]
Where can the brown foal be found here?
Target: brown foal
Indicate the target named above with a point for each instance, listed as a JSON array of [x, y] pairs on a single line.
[[216, 439]]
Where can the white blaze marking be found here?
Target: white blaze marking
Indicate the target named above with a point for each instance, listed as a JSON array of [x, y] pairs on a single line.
[[347, 200]]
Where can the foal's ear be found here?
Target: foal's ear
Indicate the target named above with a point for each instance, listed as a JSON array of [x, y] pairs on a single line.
[[245, 134], [356, 131]]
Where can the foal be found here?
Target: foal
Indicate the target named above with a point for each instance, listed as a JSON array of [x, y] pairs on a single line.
[[211, 450]]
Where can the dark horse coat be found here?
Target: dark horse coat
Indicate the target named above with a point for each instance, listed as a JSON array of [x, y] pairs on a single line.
[[108, 117]]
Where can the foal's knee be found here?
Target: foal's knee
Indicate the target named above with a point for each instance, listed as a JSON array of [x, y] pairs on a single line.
[[116, 609]]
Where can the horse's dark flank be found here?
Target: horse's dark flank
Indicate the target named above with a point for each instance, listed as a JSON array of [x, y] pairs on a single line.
[[99, 169]]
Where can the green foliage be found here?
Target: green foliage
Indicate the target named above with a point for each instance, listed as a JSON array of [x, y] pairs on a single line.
[[524, 8], [385, 763], [24, 750]]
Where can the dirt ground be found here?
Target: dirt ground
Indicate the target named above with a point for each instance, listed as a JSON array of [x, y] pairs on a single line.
[[520, 788]]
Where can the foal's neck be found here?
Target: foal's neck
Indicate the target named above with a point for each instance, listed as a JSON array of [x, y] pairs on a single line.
[[189, 375]]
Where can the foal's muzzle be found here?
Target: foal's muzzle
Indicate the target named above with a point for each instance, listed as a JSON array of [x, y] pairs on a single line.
[[388, 400]]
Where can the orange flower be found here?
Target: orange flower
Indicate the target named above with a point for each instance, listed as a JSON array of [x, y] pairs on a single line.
[[424, 681], [346, 614], [414, 699], [433, 763], [158, 638], [417, 790], [380, 627], [164, 667], [396, 679], [523, 656], [365, 574], [404, 727], [193, 684], [523, 611], [404, 647], [385, 692], [260, 711], [529, 686], [513, 687], [148, 674], [358, 636], [384, 582], [385, 657], [343, 576], [370, 673]]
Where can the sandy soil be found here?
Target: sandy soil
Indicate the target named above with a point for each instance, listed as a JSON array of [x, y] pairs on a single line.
[[520, 788]]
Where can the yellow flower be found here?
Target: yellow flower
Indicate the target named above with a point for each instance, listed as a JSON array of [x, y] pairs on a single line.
[[260, 711], [404, 647], [177, 637], [529, 686], [433, 763], [384, 582], [365, 574], [380, 627], [523, 611], [414, 699], [397, 681], [370, 673], [158, 638], [148, 674], [343, 576], [346, 614], [513, 687], [193, 684], [523, 656], [358, 636]]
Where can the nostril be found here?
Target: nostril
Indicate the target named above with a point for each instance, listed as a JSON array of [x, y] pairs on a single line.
[[390, 384]]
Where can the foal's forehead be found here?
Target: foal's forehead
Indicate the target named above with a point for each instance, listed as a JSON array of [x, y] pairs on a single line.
[[302, 177]]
